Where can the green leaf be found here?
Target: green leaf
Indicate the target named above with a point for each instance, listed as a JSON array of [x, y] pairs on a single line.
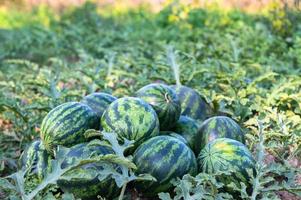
[[164, 196]]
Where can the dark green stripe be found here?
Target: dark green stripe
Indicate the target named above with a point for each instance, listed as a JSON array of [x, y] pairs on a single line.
[[107, 123], [146, 146], [50, 115], [56, 124], [129, 128], [81, 121], [98, 105], [165, 158], [50, 122], [116, 112], [192, 104]]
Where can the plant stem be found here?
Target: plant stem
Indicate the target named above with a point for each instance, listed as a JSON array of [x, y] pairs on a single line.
[[171, 58], [260, 164], [122, 192], [110, 65]]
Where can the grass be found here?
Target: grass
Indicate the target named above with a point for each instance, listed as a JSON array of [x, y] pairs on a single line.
[[246, 66]]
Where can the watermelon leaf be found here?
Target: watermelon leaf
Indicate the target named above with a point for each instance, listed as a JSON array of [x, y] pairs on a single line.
[[68, 196], [164, 196], [117, 148], [18, 186], [6, 185], [126, 175], [266, 182], [203, 186], [57, 172]]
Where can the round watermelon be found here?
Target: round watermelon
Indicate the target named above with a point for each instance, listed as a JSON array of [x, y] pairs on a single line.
[[165, 102], [188, 128], [84, 182], [99, 102], [131, 118], [65, 125], [36, 160], [218, 127], [176, 135], [227, 155], [165, 158], [192, 104]]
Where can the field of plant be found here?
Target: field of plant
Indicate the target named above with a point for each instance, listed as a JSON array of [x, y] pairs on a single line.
[[243, 66]]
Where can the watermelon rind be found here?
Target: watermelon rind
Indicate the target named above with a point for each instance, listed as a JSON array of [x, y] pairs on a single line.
[[99, 102], [192, 104], [227, 155], [65, 125], [84, 182], [218, 127], [165, 158], [174, 134], [35, 160], [188, 128], [165, 102], [131, 118]]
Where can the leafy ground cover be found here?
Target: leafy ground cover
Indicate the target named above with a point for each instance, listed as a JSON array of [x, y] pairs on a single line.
[[246, 66]]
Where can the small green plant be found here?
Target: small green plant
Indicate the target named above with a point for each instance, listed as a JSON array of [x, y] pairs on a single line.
[[18, 184]]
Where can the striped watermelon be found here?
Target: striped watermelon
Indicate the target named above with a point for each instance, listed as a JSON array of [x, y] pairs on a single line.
[[188, 128], [218, 127], [131, 118], [192, 104], [165, 158], [176, 135], [224, 154], [36, 160], [65, 125], [99, 102], [165, 102], [84, 182]]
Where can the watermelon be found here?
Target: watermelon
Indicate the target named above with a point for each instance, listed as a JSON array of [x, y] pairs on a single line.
[[84, 182], [227, 155], [188, 128], [99, 102], [165, 102], [36, 160], [218, 127], [165, 158], [192, 104], [176, 135], [131, 118], [65, 125]]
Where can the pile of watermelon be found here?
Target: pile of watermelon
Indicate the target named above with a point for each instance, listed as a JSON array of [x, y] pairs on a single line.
[[173, 129]]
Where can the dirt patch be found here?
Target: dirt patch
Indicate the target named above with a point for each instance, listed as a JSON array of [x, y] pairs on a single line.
[[287, 196], [5, 124]]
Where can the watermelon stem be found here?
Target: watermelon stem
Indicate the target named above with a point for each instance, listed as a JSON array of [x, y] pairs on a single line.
[[167, 98]]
